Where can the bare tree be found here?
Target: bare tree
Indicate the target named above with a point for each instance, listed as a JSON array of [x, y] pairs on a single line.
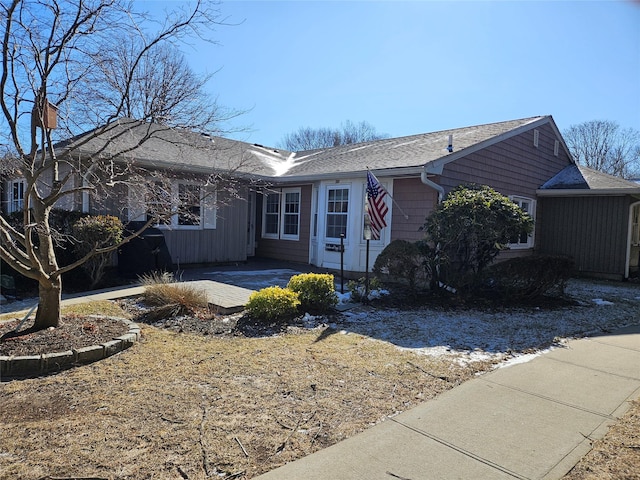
[[603, 145], [50, 48], [164, 89], [307, 138]]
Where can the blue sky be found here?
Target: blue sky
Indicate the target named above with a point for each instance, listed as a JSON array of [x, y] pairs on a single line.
[[421, 66]]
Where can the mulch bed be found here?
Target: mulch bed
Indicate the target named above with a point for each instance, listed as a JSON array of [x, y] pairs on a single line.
[[74, 331]]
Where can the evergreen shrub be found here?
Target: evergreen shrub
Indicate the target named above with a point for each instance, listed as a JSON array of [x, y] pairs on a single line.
[[401, 261], [316, 291], [273, 304], [527, 278]]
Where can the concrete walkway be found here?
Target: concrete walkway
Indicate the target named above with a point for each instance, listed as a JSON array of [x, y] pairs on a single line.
[[529, 421], [226, 298]]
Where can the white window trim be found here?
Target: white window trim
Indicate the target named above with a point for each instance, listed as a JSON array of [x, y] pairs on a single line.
[[11, 203], [517, 199], [274, 236], [283, 213], [280, 235], [208, 209], [327, 213]]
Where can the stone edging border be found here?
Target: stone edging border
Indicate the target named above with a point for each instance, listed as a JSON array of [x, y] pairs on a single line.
[[35, 365]]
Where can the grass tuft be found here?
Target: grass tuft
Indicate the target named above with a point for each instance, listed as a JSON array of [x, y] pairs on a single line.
[[171, 299]]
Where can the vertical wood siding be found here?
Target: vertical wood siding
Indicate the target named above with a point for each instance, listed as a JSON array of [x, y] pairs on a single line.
[[226, 243], [592, 230], [417, 200], [290, 250]]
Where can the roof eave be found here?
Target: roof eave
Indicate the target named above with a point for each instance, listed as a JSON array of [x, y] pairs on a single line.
[[586, 192], [383, 172], [436, 166]]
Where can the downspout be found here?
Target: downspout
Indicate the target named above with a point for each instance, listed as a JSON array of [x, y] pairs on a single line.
[[432, 184], [440, 189]]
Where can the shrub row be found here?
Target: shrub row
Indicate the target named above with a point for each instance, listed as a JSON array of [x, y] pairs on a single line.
[[520, 278], [308, 292]]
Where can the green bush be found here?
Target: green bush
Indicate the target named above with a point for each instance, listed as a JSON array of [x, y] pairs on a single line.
[[527, 278], [92, 233], [468, 230], [316, 291], [273, 304], [401, 261]]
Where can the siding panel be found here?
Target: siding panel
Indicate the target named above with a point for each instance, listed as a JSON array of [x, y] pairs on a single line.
[[417, 200], [592, 230]]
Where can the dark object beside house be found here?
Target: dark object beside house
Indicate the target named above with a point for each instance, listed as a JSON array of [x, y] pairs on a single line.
[[144, 254]]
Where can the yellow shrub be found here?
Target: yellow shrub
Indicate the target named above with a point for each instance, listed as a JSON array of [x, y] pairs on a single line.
[[316, 291], [273, 304]]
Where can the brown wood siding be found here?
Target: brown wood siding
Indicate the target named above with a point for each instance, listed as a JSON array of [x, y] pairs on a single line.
[[226, 243], [592, 230], [290, 250], [512, 167], [416, 200]]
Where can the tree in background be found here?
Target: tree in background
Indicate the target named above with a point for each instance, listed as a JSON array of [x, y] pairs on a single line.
[[604, 146], [307, 138], [163, 90], [52, 53]]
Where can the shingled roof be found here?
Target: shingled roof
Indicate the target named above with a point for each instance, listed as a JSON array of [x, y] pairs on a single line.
[[403, 152], [580, 180], [159, 146]]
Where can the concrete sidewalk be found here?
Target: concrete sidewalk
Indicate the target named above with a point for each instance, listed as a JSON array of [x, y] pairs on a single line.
[[226, 298], [529, 421]]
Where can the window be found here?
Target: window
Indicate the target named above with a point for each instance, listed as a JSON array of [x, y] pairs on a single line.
[[527, 206], [271, 222], [337, 212], [189, 201], [281, 214], [176, 204], [291, 214], [16, 195], [158, 202]]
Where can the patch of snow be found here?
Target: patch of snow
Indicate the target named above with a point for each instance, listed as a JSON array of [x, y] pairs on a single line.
[[510, 336], [518, 359], [600, 301]]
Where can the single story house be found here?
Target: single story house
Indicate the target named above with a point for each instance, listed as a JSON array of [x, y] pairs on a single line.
[[299, 206]]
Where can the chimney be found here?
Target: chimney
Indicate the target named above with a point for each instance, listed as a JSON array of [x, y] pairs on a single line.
[[450, 147]]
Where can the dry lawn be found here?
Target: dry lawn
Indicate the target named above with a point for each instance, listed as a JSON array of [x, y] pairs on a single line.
[[617, 455], [187, 406]]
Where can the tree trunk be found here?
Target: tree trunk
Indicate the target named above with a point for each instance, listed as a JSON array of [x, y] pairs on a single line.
[[48, 314]]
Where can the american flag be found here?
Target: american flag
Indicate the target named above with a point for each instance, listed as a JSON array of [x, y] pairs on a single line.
[[376, 207]]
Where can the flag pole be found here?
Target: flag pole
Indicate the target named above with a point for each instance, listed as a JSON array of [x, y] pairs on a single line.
[[393, 200]]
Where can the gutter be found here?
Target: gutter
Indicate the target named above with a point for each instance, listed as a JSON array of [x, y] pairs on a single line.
[[424, 178]]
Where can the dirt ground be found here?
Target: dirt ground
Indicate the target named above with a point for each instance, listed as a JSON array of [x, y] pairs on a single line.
[[193, 406], [617, 455], [222, 397]]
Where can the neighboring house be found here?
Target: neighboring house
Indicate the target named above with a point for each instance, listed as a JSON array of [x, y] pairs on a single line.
[[296, 206]]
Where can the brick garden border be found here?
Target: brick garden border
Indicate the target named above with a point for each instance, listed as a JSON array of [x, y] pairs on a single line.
[[36, 365]]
